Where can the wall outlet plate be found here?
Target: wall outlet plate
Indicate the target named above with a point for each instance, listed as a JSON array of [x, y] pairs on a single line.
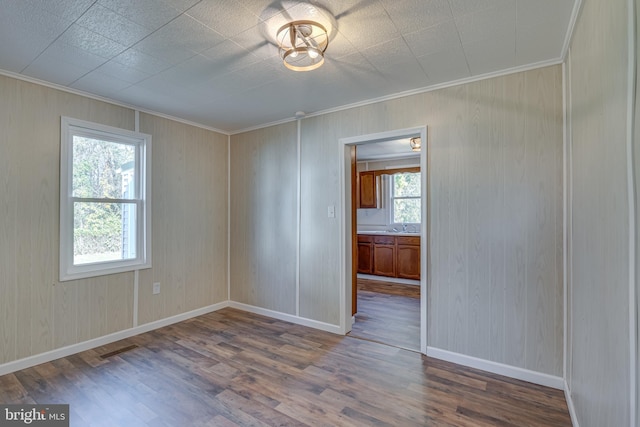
[[156, 288]]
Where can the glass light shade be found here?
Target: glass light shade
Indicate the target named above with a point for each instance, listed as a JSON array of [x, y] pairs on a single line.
[[302, 45], [415, 143]]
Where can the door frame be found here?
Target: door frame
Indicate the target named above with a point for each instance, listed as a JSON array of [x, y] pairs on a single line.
[[347, 232]]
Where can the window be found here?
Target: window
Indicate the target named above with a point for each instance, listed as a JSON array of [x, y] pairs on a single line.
[[405, 198], [104, 200]]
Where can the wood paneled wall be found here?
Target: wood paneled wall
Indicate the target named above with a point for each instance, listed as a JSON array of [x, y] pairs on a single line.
[[319, 235], [496, 213], [264, 182], [598, 366], [496, 220], [189, 194], [38, 313]]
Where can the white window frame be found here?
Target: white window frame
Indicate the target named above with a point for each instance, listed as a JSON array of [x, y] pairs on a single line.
[[392, 205], [69, 128]]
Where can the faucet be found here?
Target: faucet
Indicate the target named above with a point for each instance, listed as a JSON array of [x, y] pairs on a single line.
[[404, 228]]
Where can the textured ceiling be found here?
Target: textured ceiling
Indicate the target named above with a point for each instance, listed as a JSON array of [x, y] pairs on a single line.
[[208, 61]]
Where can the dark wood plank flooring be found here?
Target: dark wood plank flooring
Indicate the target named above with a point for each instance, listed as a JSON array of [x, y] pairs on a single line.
[[388, 313], [231, 368]]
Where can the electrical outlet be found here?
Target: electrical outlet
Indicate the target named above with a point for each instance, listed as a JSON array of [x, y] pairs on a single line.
[[156, 288]]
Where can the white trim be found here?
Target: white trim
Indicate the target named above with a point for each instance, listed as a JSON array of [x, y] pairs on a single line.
[[631, 196], [266, 125], [344, 229], [382, 136], [425, 236], [105, 99], [30, 361], [345, 251], [570, 406], [572, 26], [500, 73], [298, 214], [327, 327], [565, 243], [229, 217], [568, 333], [513, 70], [498, 368], [70, 127]]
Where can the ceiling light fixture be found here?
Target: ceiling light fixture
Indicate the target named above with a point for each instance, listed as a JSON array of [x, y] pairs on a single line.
[[302, 44], [415, 143]]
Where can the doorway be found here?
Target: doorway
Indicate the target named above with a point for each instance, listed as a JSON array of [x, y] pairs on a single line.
[[416, 235]]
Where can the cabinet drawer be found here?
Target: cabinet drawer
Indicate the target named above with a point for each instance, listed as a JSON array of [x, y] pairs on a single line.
[[384, 240], [365, 238], [409, 240]]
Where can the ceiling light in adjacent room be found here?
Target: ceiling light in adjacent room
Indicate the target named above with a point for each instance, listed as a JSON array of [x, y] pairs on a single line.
[[415, 143]]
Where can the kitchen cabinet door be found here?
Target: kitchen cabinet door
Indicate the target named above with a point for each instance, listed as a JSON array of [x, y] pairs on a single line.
[[408, 257], [365, 258], [384, 260], [408, 261], [367, 190]]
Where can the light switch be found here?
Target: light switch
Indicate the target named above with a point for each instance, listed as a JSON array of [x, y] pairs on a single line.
[[331, 211]]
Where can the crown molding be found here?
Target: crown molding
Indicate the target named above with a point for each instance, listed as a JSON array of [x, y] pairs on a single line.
[[411, 92], [82, 93]]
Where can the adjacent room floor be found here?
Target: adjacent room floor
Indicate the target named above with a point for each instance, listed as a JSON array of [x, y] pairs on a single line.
[[388, 313], [232, 368]]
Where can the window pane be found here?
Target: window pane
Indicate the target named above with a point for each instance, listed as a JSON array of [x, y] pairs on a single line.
[[103, 169], [103, 232], [406, 211], [406, 184]]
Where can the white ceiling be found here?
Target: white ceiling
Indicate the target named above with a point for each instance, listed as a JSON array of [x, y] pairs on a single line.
[[386, 150], [208, 62]]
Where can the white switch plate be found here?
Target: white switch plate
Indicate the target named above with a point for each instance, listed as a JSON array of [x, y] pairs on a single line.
[[156, 288], [331, 211]]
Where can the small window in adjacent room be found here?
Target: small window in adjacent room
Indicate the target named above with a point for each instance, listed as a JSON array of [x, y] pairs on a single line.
[[104, 200], [405, 198]]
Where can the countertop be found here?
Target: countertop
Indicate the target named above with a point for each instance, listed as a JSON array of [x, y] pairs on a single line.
[[390, 233]]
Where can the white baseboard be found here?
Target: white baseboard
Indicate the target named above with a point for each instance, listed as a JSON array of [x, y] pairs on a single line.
[[572, 409], [328, 327], [498, 368], [37, 359]]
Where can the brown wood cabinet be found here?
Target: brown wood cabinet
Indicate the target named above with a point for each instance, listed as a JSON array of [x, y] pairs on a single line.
[[367, 194], [384, 256], [365, 254], [408, 257], [389, 255]]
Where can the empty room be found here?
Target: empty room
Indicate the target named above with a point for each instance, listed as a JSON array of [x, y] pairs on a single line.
[[321, 213]]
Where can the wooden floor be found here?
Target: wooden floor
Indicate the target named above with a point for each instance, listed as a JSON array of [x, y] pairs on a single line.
[[388, 313], [231, 368]]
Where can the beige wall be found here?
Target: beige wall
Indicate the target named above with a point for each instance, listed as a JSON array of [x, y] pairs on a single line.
[[496, 213], [37, 312], [598, 371], [189, 224], [496, 220], [263, 218]]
